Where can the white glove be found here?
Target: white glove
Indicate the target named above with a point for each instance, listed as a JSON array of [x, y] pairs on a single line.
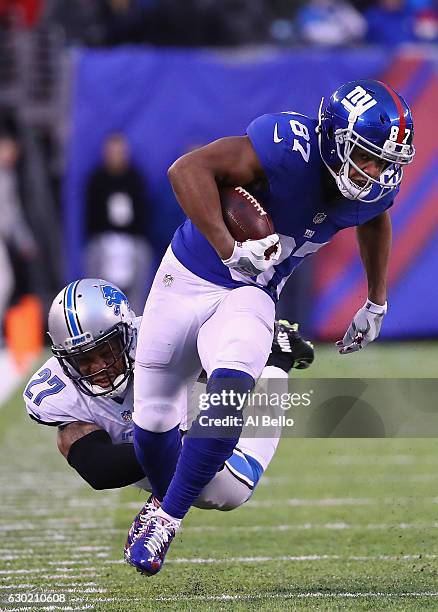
[[249, 257], [364, 328]]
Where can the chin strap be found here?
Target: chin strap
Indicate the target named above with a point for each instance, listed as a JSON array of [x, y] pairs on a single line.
[[347, 187], [117, 392]]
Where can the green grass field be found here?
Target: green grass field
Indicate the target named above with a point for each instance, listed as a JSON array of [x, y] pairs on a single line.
[[335, 524]]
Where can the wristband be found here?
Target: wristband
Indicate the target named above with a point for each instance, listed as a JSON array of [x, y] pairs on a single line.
[[377, 309]]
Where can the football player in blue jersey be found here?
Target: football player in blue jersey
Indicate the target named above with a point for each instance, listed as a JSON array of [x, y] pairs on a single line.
[[212, 301]]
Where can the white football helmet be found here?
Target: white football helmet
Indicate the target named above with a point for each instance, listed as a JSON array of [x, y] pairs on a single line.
[[89, 315]]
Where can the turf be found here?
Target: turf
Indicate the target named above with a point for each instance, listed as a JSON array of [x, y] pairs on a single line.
[[334, 524]]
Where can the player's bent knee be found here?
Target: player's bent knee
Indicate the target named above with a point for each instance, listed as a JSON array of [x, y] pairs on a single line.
[[156, 417], [237, 499], [233, 485], [223, 493]]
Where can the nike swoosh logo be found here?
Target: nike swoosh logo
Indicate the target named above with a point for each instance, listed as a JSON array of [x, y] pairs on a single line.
[[276, 138]]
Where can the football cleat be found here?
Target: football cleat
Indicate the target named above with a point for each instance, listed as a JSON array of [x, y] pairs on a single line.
[[150, 506], [149, 549], [289, 350]]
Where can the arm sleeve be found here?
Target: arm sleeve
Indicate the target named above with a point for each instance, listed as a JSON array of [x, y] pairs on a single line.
[[274, 143], [56, 413], [52, 399], [102, 464], [261, 134], [53, 415]]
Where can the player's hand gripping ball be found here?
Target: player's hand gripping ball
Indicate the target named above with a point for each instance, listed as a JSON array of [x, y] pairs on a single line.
[[257, 247]]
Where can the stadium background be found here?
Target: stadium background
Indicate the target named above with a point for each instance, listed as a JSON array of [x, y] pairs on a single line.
[[70, 77], [176, 98], [361, 515]]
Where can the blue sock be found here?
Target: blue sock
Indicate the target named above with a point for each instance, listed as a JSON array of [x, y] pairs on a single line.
[[157, 453], [206, 449]]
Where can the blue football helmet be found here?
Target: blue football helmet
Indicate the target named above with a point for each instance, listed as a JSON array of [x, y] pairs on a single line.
[[88, 318], [370, 115]]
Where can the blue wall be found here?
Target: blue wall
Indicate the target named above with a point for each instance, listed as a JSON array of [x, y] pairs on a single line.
[[168, 101]]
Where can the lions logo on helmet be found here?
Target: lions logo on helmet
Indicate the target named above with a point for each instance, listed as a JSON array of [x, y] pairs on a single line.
[[114, 297], [370, 115], [93, 337]]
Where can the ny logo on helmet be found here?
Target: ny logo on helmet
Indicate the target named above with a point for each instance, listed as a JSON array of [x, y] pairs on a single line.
[[114, 298], [358, 101]]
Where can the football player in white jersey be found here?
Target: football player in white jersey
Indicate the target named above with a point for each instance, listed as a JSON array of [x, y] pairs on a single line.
[[86, 390]]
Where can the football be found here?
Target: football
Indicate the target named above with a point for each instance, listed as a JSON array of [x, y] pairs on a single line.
[[244, 216]]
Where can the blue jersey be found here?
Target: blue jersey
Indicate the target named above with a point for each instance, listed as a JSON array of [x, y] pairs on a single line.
[[287, 147]]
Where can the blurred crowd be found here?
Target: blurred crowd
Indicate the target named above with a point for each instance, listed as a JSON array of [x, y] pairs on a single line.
[[118, 213], [17, 242], [230, 22]]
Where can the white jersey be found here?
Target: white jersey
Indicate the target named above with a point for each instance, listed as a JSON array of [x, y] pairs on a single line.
[[51, 398]]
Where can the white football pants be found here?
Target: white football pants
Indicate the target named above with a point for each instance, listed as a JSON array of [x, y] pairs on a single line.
[[231, 487], [189, 324]]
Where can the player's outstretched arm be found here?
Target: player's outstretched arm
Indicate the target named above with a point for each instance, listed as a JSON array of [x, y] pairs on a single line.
[[90, 451], [374, 239], [195, 178]]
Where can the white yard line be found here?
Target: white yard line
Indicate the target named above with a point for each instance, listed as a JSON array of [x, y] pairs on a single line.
[[20, 585], [322, 502], [68, 585], [121, 600], [21, 571], [69, 562], [39, 570], [56, 577], [339, 526], [52, 607], [89, 552], [288, 558], [333, 526], [341, 501], [328, 501], [403, 477], [80, 559], [46, 526], [259, 596]]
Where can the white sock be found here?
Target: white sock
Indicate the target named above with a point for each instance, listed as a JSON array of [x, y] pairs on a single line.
[[160, 513]]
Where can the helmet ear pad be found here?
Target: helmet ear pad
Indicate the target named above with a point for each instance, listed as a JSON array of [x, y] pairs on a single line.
[[328, 143]]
